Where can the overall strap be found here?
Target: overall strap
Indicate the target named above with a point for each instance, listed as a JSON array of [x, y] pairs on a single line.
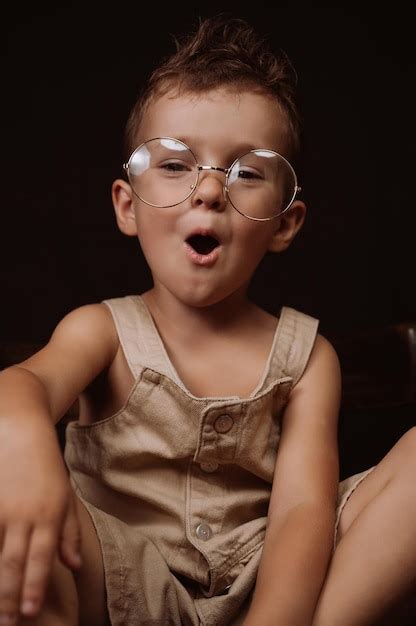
[[294, 340], [139, 338]]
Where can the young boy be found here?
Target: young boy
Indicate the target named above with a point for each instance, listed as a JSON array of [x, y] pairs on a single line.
[[204, 463]]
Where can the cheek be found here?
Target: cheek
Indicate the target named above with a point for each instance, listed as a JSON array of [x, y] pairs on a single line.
[[156, 232], [152, 225], [254, 237]]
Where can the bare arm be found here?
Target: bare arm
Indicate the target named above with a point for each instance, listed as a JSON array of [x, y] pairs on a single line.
[[301, 518], [37, 517]]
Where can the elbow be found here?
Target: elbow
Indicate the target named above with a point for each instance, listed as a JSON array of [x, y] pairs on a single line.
[[22, 382], [20, 373]]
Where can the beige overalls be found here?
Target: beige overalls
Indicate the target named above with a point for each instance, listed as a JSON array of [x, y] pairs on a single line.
[[178, 486]]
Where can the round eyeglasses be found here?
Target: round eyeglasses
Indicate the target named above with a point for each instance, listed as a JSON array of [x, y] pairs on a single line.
[[260, 184]]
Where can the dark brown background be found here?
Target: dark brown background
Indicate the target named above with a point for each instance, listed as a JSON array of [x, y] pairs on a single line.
[[70, 76]]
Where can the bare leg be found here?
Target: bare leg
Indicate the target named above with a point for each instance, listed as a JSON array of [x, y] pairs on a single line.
[[78, 600], [373, 570]]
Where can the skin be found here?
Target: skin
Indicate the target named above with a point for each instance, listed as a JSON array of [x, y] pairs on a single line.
[[205, 306]]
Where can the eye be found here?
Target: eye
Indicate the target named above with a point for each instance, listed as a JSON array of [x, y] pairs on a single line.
[[248, 175], [174, 167]]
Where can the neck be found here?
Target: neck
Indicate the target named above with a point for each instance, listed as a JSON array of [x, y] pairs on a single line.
[[173, 315]]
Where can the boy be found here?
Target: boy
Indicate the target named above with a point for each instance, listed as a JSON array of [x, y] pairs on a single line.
[[188, 391]]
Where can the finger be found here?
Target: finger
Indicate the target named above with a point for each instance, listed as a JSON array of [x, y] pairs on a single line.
[[42, 550], [70, 542], [12, 568]]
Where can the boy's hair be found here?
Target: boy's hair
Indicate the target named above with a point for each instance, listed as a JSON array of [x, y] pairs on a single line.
[[222, 52]]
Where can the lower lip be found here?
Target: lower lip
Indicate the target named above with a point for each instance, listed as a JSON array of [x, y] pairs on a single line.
[[207, 260]]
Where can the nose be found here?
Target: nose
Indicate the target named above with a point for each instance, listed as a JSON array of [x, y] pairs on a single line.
[[210, 189]]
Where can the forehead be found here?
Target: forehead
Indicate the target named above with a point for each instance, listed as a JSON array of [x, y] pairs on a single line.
[[215, 119]]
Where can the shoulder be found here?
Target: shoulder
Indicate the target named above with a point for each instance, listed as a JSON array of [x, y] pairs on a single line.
[[324, 351], [85, 334], [323, 368], [88, 323]]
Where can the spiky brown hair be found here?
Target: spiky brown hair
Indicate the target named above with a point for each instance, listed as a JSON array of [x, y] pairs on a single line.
[[222, 52]]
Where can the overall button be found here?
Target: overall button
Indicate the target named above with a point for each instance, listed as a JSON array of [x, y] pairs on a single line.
[[204, 532], [223, 423], [209, 466]]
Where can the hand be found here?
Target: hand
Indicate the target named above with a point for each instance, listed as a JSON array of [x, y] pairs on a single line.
[[37, 514]]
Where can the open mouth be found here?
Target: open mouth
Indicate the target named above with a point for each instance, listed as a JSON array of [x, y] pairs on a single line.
[[203, 244]]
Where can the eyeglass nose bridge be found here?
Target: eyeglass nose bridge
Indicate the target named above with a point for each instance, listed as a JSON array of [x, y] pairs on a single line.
[[214, 168]]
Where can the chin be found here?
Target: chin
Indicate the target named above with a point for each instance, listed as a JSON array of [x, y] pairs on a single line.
[[200, 301], [202, 297]]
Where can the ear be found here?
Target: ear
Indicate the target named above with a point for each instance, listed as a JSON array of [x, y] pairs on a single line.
[[288, 225], [123, 202]]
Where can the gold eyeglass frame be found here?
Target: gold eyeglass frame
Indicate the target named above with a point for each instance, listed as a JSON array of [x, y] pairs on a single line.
[[215, 168]]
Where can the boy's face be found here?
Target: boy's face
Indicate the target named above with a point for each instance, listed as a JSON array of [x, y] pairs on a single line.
[[218, 126]]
